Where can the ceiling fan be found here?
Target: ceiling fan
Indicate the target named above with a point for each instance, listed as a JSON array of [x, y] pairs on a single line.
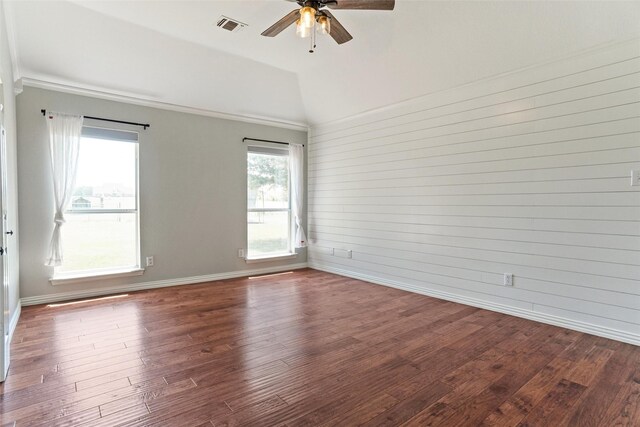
[[313, 14]]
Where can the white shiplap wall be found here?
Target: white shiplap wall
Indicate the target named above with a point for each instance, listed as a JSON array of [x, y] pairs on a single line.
[[526, 173]]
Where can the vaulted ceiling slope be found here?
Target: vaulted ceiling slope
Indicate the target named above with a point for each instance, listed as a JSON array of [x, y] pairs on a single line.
[[172, 51], [66, 43]]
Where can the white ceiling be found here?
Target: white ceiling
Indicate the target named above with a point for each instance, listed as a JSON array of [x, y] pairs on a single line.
[[172, 52]]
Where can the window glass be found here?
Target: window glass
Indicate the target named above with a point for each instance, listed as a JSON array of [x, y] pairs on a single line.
[[268, 233], [99, 241], [101, 229], [106, 177], [269, 214]]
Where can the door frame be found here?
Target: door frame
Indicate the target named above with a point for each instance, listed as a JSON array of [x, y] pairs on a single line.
[[4, 263]]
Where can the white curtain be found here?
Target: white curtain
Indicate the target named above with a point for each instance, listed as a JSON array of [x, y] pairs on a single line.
[[64, 145], [296, 164]]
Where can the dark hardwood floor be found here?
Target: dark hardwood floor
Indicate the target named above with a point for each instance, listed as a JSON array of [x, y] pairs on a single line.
[[308, 348]]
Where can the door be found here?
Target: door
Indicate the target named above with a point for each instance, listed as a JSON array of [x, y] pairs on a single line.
[[6, 234]]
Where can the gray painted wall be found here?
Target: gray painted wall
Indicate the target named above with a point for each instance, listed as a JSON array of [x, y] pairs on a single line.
[[8, 118], [192, 189]]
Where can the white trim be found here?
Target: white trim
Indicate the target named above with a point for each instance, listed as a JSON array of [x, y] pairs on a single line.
[[17, 87], [73, 211], [68, 279], [268, 210], [270, 258], [9, 21], [66, 296], [563, 322], [14, 321], [139, 100]]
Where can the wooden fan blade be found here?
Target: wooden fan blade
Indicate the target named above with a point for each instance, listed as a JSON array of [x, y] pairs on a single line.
[[279, 26], [363, 4], [338, 32]]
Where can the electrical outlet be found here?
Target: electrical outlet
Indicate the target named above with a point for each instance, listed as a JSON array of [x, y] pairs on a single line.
[[635, 178], [349, 253], [149, 261], [240, 253], [507, 279]]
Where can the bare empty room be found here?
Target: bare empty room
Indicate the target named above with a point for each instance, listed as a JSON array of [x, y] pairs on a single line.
[[320, 213]]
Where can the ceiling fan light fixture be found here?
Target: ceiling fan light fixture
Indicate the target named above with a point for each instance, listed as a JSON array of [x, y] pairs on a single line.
[[324, 25], [312, 17], [308, 16], [301, 30]]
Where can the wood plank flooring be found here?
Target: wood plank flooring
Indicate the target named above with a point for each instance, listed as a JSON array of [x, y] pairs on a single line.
[[308, 348]]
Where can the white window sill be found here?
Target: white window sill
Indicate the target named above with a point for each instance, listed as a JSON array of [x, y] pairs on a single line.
[[68, 279], [270, 258]]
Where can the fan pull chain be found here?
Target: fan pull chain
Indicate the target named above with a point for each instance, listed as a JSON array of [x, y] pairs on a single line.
[[312, 40]]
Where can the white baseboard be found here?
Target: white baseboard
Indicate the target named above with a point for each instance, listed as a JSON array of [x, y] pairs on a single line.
[[589, 328], [14, 321], [66, 296]]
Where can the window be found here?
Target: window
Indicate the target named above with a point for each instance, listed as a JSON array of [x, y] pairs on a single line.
[[101, 230], [268, 207]]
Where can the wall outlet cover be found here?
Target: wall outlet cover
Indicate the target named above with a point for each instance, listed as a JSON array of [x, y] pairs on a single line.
[[149, 261], [508, 279]]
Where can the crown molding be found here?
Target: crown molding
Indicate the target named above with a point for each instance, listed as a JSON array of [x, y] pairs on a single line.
[[9, 21], [17, 87], [145, 102]]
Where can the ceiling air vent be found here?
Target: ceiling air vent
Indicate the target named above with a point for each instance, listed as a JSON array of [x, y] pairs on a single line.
[[229, 24]]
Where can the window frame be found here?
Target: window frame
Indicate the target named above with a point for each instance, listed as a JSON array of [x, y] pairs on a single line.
[[268, 149], [74, 276]]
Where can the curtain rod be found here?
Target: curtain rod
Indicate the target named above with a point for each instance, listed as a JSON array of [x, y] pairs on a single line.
[[144, 125], [266, 140]]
